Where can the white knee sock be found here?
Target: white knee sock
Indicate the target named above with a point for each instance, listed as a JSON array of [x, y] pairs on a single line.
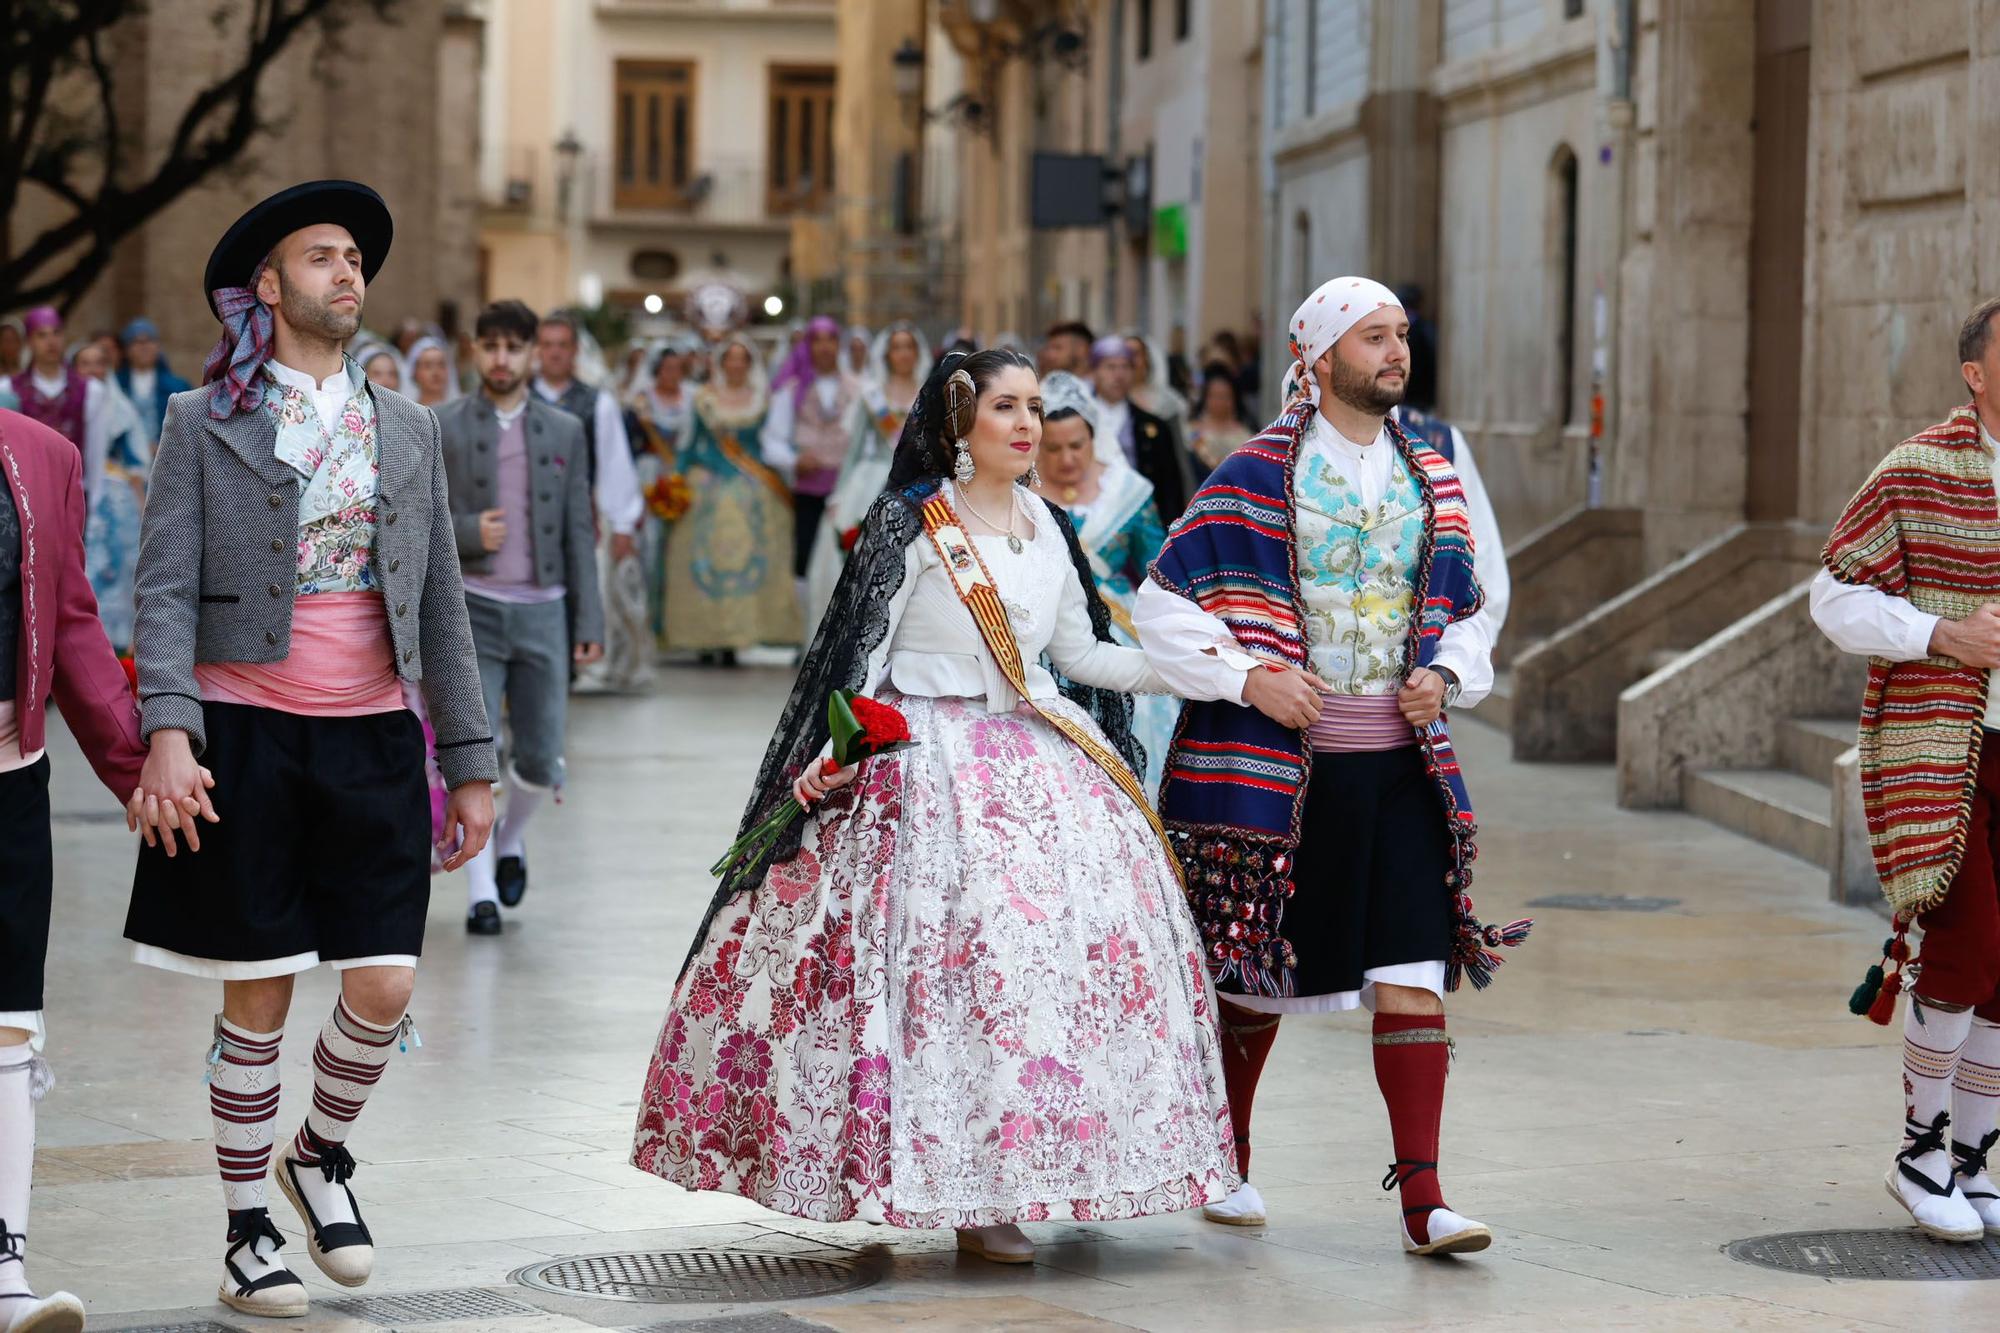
[[17, 1156], [1975, 1089], [1931, 1049], [480, 885], [523, 799]]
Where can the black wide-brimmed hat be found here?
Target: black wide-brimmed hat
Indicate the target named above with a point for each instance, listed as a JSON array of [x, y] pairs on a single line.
[[251, 237]]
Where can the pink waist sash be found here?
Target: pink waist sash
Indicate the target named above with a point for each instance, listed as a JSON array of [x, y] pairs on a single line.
[[1355, 722], [342, 663]]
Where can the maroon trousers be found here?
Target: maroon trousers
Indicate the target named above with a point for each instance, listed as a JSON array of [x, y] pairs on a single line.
[[1960, 950]]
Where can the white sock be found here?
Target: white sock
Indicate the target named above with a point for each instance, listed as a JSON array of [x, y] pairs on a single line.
[[523, 799], [17, 1155], [1931, 1047], [1975, 1088], [480, 885]]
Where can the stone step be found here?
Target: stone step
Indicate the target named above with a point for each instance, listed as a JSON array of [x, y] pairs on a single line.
[[1497, 708], [1809, 746], [1774, 806], [1659, 658]]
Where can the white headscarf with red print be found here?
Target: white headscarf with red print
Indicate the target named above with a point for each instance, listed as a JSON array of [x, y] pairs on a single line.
[[1320, 320]]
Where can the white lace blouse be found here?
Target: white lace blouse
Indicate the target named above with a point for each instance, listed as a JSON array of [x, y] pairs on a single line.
[[933, 649]]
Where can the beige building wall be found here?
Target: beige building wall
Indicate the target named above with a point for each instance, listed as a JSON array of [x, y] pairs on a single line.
[[878, 142], [325, 104], [1905, 227], [1512, 115]]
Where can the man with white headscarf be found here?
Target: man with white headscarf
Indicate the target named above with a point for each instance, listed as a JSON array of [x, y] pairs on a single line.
[[1149, 445], [1319, 608]]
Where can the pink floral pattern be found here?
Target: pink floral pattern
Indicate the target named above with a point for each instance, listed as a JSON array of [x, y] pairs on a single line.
[[342, 472], [964, 1002]]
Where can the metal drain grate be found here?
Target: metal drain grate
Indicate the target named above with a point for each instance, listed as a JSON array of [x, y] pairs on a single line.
[[198, 1326], [685, 1277], [1604, 902], [100, 817], [431, 1307], [1895, 1254]]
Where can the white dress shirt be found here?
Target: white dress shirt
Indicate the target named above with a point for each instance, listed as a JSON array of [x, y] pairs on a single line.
[[616, 490], [96, 441], [328, 397], [781, 451], [1868, 622]]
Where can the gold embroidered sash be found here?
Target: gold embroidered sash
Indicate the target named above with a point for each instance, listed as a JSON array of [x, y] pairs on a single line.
[[975, 587]]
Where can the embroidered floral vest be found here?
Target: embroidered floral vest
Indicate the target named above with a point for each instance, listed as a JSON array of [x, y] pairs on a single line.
[[1356, 571], [341, 472]]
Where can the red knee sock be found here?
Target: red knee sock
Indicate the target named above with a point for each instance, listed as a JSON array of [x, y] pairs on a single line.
[[1246, 1043], [1411, 1053]]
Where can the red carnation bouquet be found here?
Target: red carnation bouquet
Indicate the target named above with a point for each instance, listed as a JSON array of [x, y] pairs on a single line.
[[861, 728]]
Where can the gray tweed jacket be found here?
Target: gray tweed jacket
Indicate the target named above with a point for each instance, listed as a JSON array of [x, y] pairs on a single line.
[[559, 522], [218, 564]]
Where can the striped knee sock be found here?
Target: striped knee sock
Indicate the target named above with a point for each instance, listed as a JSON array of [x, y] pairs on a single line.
[[1975, 1086], [347, 1064], [243, 1102]]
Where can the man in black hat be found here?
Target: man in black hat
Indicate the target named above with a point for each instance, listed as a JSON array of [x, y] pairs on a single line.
[[297, 563]]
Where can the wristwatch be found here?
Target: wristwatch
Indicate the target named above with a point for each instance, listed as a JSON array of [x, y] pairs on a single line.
[[1452, 687]]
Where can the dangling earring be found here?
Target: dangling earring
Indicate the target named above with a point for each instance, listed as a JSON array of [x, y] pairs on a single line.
[[1033, 479], [961, 470]]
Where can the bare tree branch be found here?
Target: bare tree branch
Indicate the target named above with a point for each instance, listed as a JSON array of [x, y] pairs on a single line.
[[212, 132]]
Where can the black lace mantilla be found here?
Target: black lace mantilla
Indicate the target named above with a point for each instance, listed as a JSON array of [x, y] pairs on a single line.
[[855, 624]]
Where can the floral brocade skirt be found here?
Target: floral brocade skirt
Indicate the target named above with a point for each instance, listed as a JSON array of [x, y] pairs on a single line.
[[975, 996]]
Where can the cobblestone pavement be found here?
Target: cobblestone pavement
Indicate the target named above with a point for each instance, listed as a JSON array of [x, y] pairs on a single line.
[[1637, 1090]]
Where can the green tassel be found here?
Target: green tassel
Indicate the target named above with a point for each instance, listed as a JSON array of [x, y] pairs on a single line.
[[1864, 995]]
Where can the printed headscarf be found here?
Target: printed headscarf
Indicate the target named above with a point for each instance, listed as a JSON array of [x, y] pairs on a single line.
[[235, 365], [1319, 322], [797, 373]]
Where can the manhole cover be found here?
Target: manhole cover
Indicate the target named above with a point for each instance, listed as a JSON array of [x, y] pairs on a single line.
[[431, 1307], [1894, 1254], [1604, 902], [103, 817], [687, 1277], [198, 1326]]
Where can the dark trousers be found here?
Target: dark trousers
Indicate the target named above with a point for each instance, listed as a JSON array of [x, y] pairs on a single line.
[[27, 882], [807, 510]]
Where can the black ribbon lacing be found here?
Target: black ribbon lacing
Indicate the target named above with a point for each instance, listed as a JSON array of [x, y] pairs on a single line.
[[1972, 1161], [1923, 1141], [12, 1244], [251, 1225], [1396, 1177], [335, 1163]]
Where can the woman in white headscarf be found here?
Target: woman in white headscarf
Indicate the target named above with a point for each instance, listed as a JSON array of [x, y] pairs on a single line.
[[428, 375], [1151, 389], [660, 408], [729, 583], [899, 360], [115, 500], [381, 364], [857, 351]]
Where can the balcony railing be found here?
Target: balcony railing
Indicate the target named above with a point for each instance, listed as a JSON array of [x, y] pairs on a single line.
[[730, 192]]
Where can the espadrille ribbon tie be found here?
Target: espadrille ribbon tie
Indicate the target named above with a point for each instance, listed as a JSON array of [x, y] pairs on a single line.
[[11, 1243], [1972, 1161], [336, 1164], [1924, 1141]]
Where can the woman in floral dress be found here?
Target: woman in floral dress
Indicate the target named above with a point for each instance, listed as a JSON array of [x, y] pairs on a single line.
[[729, 581], [964, 991], [897, 365]]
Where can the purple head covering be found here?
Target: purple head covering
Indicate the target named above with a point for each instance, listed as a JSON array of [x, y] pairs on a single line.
[[235, 365], [1107, 347], [41, 317], [797, 372]]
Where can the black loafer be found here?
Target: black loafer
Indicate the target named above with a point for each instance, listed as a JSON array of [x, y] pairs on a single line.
[[511, 875], [484, 919]]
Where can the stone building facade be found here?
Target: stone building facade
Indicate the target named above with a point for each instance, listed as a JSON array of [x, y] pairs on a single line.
[[635, 148], [387, 108]]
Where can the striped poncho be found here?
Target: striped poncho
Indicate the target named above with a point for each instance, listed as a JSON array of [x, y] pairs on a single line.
[[1235, 780], [1923, 527]]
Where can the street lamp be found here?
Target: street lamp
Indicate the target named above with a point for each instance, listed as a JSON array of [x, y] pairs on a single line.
[[569, 150], [774, 305], [908, 71]]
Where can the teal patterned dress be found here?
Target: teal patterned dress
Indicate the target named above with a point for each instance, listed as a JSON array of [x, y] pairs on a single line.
[[1120, 532]]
